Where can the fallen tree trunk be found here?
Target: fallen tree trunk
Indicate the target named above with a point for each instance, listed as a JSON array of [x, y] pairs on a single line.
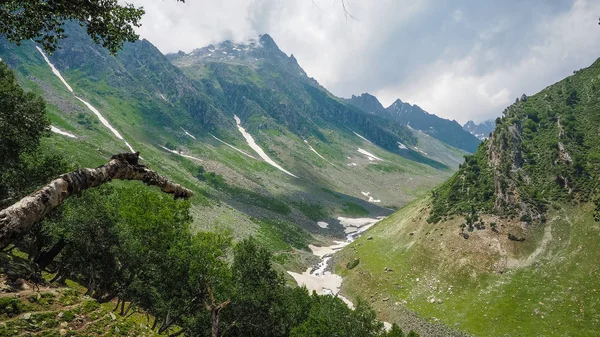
[[16, 220]]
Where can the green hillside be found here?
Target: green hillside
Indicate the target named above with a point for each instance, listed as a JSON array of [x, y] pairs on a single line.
[[507, 246], [158, 107]]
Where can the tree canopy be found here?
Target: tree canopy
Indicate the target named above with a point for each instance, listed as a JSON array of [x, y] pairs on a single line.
[[107, 22]]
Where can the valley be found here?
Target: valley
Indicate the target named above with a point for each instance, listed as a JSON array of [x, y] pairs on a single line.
[[303, 213], [252, 175]]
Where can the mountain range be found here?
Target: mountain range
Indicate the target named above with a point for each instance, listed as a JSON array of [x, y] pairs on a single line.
[[481, 130], [268, 151], [447, 131], [488, 236], [508, 245]]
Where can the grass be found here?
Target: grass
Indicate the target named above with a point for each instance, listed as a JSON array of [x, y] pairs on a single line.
[[314, 212], [282, 235], [484, 291], [245, 195], [64, 311], [351, 209]]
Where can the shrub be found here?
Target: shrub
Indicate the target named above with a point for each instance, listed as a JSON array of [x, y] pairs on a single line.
[[353, 264]]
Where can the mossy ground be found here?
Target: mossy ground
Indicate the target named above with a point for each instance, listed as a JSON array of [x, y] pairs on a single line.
[[65, 311]]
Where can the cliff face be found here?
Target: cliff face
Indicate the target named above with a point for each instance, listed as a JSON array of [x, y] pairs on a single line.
[[506, 160], [545, 149], [447, 131]]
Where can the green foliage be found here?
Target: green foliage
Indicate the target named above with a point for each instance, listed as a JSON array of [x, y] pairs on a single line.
[[330, 316], [107, 22], [22, 124], [10, 306], [22, 119], [471, 187], [247, 196], [282, 235], [314, 212], [395, 331], [352, 209], [546, 150], [353, 263]]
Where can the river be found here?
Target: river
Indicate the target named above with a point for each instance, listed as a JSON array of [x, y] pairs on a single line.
[[324, 282]]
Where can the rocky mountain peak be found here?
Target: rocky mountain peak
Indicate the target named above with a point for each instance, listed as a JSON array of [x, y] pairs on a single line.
[[267, 42], [481, 130], [368, 103]]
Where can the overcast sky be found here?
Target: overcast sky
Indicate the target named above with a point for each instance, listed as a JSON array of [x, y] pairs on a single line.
[[458, 59]]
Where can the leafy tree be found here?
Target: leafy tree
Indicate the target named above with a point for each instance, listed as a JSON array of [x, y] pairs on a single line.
[[330, 316], [192, 284], [573, 99], [257, 306], [395, 331], [107, 22], [22, 124]]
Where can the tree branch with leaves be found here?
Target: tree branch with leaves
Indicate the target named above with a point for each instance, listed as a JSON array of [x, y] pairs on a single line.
[[107, 22]]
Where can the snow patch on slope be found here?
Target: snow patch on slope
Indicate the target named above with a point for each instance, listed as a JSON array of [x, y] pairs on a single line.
[[361, 137], [317, 153], [313, 150], [369, 155], [92, 108], [323, 224], [371, 199], [402, 146], [258, 149], [101, 118], [423, 152], [187, 133], [233, 147], [179, 153], [61, 132], [54, 70]]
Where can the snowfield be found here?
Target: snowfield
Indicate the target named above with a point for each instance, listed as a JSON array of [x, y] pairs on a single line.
[[61, 132], [181, 154], [369, 155], [258, 149], [361, 137], [187, 133], [89, 106], [371, 199], [325, 282], [233, 147]]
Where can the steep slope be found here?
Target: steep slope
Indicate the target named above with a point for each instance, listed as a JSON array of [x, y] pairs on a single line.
[[449, 132], [368, 103], [267, 153], [262, 85], [507, 246], [481, 130]]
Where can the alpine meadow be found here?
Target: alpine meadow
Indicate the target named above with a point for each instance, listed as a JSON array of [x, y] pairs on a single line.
[[255, 169]]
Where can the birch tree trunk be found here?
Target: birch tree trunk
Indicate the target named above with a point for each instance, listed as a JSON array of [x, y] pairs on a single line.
[[16, 220]]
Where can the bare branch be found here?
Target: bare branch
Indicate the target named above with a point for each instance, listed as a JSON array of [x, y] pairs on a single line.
[[16, 220]]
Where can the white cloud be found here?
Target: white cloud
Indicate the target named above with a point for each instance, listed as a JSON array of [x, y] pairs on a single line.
[[461, 59]]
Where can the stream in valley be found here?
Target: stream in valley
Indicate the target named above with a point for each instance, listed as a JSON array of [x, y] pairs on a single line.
[[317, 278]]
